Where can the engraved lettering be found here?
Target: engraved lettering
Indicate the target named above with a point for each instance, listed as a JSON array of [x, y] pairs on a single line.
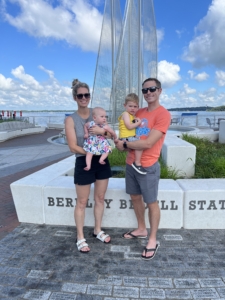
[[222, 202], [89, 205], [163, 207], [51, 201], [131, 204], [212, 204], [59, 201], [108, 201], [201, 204], [123, 204], [172, 206], [192, 205], [69, 202]]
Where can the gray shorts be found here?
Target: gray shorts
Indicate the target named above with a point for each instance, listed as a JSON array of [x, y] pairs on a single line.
[[145, 185]]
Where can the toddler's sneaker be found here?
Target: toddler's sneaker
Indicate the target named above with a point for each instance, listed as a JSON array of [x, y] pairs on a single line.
[[139, 169]]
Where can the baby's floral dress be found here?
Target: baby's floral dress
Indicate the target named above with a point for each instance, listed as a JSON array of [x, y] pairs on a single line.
[[97, 144]]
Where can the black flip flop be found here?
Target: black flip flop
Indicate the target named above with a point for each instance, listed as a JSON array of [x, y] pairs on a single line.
[[132, 236], [150, 250]]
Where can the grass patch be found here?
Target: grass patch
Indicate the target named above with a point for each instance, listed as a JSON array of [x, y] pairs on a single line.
[[117, 158], [210, 158]]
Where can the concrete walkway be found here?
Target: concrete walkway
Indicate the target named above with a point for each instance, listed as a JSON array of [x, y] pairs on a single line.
[[42, 262]]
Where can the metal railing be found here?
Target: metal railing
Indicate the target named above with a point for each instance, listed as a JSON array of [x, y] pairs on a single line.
[[176, 119]]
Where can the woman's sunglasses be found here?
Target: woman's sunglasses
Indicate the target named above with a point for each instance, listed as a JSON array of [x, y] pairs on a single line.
[[151, 89], [86, 96]]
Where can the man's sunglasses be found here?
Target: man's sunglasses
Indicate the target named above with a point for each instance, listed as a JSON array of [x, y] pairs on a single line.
[[80, 96], [151, 89]]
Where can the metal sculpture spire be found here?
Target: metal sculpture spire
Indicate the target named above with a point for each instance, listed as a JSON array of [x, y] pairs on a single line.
[[127, 54]]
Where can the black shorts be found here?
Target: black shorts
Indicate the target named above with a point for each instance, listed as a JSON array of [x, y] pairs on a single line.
[[96, 172]]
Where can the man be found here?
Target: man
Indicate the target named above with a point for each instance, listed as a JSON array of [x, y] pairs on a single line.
[[144, 188]]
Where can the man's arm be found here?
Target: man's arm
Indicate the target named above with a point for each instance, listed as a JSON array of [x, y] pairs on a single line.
[[153, 137]]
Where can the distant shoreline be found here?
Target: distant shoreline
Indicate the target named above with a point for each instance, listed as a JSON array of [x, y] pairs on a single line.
[[178, 109]]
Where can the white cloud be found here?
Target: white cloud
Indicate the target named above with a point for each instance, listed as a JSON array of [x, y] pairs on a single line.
[[98, 2], [207, 46], [5, 83], [74, 21], [199, 77], [31, 94], [189, 90], [185, 98], [168, 73], [202, 76], [49, 72], [160, 35], [180, 32], [191, 73], [29, 80], [220, 78]]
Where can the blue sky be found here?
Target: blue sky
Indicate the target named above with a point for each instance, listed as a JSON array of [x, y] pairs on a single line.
[[45, 44]]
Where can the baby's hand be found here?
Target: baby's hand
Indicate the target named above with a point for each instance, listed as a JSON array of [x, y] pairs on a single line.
[[137, 121]]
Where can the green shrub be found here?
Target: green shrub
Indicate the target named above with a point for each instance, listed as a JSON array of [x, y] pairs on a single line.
[[210, 158]]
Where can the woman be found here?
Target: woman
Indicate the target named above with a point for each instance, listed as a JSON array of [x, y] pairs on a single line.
[[98, 174]]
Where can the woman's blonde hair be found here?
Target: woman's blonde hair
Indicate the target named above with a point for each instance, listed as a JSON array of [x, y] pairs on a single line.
[[76, 84]]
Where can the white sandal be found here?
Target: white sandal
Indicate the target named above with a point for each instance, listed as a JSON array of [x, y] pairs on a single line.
[[102, 239], [81, 244]]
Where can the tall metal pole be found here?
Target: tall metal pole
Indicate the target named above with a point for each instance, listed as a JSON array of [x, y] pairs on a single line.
[[130, 69], [140, 69], [113, 63]]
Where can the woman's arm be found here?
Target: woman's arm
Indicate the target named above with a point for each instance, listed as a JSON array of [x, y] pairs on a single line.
[[96, 130], [71, 137], [86, 126], [127, 122], [112, 132]]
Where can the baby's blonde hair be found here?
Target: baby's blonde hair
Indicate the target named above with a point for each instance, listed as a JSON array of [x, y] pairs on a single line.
[[96, 110], [132, 97]]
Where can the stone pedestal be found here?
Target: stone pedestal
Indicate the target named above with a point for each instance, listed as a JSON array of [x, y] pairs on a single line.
[[179, 155], [222, 132], [204, 203]]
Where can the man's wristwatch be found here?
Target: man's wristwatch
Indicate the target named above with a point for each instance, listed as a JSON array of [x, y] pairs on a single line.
[[125, 145]]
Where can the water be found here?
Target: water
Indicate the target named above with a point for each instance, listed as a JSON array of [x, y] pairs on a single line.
[[43, 118]]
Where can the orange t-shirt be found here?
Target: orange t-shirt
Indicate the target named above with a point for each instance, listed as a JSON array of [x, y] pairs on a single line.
[[158, 119]]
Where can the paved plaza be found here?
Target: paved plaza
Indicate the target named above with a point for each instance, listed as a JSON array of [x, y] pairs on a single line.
[[42, 262]]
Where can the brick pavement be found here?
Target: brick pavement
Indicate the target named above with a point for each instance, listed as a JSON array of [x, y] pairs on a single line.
[[8, 216], [42, 262]]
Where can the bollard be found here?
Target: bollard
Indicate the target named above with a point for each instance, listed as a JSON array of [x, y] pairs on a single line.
[[222, 132]]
